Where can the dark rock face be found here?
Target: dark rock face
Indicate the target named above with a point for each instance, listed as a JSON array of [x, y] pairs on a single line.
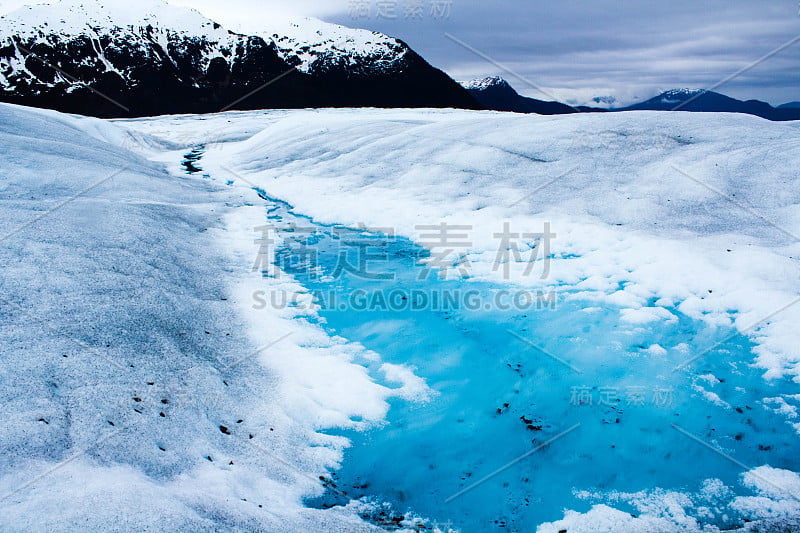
[[127, 70]]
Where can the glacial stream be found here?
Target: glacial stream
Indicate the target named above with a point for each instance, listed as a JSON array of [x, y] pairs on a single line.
[[536, 408]]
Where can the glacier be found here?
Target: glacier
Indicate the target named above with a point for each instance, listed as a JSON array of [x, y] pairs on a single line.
[[147, 386]]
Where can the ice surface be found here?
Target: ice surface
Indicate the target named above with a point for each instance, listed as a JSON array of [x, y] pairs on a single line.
[[494, 399], [155, 269], [632, 199], [667, 221], [127, 347]]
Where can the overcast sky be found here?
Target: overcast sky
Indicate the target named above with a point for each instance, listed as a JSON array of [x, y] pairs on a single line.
[[573, 50]]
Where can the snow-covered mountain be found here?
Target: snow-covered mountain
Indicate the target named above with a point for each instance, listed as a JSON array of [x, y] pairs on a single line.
[[316, 46], [482, 84], [110, 58]]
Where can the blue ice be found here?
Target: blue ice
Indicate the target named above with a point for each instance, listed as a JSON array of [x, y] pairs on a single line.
[[533, 404]]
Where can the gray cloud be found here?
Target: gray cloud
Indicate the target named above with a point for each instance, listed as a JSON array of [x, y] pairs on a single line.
[[578, 49]]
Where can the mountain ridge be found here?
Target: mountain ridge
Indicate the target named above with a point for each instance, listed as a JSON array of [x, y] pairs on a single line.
[[497, 94], [704, 101]]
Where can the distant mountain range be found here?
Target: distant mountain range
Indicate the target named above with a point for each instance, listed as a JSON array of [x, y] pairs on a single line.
[[497, 94], [709, 101], [111, 58]]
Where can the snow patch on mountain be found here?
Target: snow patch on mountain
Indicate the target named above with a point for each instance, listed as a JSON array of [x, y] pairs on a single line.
[[676, 96], [481, 84], [71, 18], [316, 43]]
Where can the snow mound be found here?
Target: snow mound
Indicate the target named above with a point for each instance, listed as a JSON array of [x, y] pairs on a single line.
[[658, 511]]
